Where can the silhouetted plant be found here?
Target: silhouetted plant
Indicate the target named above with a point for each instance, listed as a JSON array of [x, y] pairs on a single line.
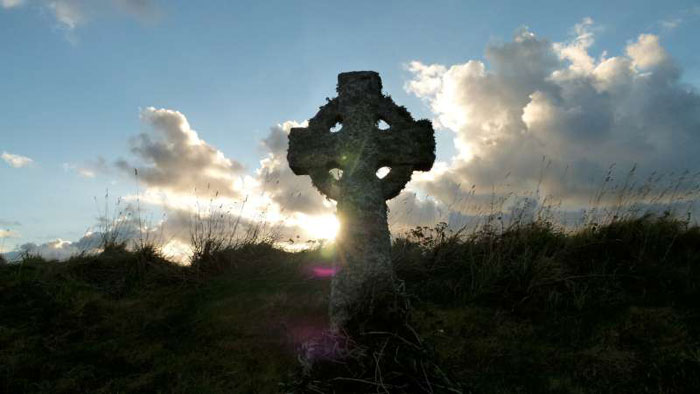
[[216, 234]]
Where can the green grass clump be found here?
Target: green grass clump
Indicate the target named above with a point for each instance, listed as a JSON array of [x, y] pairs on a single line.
[[128, 321], [609, 308]]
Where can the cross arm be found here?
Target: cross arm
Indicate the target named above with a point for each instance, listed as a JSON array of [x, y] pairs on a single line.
[[411, 145], [314, 146], [309, 149]]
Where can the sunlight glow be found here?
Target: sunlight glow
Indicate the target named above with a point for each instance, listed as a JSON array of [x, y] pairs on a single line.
[[382, 172], [322, 226], [177, 251]]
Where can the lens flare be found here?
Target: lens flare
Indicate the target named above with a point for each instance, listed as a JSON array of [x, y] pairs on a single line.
[[323, 272]]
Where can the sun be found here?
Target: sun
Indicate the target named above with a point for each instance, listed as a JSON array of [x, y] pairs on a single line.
[[322, 226]]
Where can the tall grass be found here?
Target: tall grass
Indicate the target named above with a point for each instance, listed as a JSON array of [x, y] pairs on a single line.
[[533, 307], [213, 229], [216, 232], [113, 224]]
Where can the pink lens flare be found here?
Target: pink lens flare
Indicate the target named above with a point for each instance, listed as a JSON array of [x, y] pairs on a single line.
[[324, 272]]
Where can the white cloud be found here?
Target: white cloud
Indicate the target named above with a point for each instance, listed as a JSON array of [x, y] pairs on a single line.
[[81, 171], [647, 52], [89, 169], [85, 172], [70, 14], [670, 24], [576, 51], [6, 233], [53, 250], [11, 3], [555, 100], [681, 17], [172, 157], [123, 227], [16, 161]]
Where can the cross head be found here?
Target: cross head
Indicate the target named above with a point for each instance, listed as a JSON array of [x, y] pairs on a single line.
[[360, 148]]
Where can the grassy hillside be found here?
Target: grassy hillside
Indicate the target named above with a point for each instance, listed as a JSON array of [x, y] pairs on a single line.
[[608, 309]]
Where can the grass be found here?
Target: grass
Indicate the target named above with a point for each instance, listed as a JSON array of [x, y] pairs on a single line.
[[610, 308]]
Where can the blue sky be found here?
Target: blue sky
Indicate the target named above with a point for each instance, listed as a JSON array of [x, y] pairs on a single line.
[[76, 74]]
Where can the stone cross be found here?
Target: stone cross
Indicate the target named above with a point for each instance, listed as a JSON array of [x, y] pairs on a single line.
[[358, 150]]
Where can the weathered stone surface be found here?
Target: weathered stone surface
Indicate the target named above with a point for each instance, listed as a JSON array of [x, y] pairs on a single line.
[[359, 149]]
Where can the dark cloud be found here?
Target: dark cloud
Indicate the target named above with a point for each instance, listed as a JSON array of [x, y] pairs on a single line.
[[408, 210]]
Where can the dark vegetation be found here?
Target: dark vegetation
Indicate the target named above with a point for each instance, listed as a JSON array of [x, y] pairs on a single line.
[[612, 308]]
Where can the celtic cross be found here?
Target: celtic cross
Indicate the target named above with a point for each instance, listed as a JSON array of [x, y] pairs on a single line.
[[357, 151]]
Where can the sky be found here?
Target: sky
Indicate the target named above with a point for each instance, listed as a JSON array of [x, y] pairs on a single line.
[[528, 99]]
